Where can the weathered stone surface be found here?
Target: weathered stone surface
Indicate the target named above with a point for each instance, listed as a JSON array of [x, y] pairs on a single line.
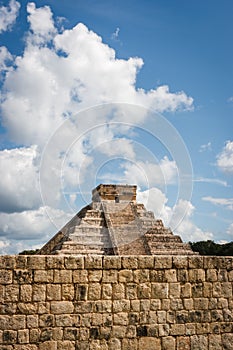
[[111, 307]]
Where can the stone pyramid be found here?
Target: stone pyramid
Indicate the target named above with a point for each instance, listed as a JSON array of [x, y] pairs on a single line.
[[115, 224]]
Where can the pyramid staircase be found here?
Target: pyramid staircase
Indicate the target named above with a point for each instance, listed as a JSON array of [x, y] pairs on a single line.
[[115, 224]]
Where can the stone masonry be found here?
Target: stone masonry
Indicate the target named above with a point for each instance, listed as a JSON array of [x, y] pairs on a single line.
[[115, 224], [99, 302]]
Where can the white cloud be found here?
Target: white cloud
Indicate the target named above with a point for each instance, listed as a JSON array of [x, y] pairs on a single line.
[[50, 83], [206, 147], [151, 174], [19, 181], [5, 58], [115, 35], [211, 181], [225, 158], [8, 15], [30, 225], [225, 202], [41, 23]]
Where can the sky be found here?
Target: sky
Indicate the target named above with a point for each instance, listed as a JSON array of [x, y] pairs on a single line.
[[131, 92]]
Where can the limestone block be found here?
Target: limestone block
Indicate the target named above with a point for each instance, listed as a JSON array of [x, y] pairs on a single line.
[[129, 344], [118, 331], [125, 276], [157, 275], [190, 328], [170, 275], [106, 291], [53, 292], [197, 290], [48, 345], [93, 262], [46, 320], [34, 335], [54, 262], [201, 303], [43, 307], [32, 321], [163, 262], [211, 275], [103, 306], [95, 275], [121, 305], [65, 345], [112, 262], [227, 341], [135, 305], [118, 291], [36, 262], [43, 276], [23, 336], [129, 262], [25, 293], [27, 308], [174, 290], [196, 275], [182, 316], [121, 318], [168, 343], [63, 276], [110, 276], [7, 262], [11, 293], [67, 291], [155, 304], [162, 316], [62, 307], [144, 304], [144, 291], [94, 291], [80, 276], [215, 342], [74, 262], [202, 328], [183, 343], [17, 322], [71, 333], [182, 275], [9, 337], [22, 276], [159, 290], [20, 261], [5, 277], [177, 329], [38, 292], [188, 304], [148, 343], [4, 321], [185, 290], [114, 344], [180, 262], [165, 304], [146, 262], [176, 304], [199, 342], [140, 276], [195, 262]]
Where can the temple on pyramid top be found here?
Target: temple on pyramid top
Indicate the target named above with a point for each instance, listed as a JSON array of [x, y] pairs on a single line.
[[115, 224]]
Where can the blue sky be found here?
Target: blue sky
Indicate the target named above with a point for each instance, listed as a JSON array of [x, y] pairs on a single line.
[[126, 92]]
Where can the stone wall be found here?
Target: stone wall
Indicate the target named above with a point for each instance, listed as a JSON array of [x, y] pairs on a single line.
[[113, 302]]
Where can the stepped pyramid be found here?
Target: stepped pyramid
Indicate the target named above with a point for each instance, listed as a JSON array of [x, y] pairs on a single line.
[[115, 224]]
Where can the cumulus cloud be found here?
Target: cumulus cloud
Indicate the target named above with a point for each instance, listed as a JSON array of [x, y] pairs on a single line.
[[19, 180], [206, 147], [145, 173], [225, 158], [53, 81], [5, 58], [8, 15], [31, 225], [225, 202]]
